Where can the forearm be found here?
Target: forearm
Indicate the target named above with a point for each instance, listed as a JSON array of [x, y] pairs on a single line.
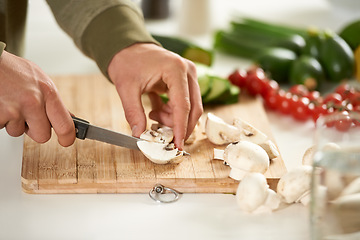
[[101, 28]]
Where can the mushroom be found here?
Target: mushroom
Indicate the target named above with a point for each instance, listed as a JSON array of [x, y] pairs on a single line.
[[254, 196], [294, 186], [244, 157], [254, 135], [157, 146], [219, 132], [158, 133], [160, 153], [309, 153], [352, 188]]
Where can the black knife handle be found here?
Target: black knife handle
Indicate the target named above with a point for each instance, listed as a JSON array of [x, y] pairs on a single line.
[[81, 126]]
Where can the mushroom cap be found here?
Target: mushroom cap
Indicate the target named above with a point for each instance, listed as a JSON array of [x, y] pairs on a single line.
[[252, 192], [219, 132], [158, 153], [295, 183], [246, 156]]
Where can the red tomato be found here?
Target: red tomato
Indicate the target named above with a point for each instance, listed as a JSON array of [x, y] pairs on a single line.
[[256, 81], [317, 110], [299, 90], [333, 98], [271, 100], [355, 99], [283, 102], [270, 86], [300, 108], [314, 96], [344, 125], [345, 90], [238, 78]]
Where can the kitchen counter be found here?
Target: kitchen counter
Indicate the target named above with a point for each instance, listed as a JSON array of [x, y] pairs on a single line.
[[136, 216]]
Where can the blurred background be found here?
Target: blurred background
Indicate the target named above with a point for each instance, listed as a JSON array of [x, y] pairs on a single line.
[[49, 47]]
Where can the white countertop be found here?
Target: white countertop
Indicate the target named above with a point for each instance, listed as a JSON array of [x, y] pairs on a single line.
[[136, 216]]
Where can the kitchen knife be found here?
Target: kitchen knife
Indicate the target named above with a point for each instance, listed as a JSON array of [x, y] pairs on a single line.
[[85, 130]]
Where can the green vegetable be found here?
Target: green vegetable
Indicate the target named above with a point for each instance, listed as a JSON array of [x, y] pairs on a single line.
[[222, 92], [186, 49], [267, 37], [337, 58], [351, 34], [276, 62], [314, 40], [308, 71], [213, 89]]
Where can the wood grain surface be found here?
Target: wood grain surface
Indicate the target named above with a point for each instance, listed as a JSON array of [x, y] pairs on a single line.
[[93, 167]]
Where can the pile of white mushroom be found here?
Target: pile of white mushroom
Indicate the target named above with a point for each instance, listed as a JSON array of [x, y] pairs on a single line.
[[249, 152]]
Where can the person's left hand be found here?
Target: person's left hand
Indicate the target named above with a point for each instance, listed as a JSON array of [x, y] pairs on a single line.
[[148, 68]]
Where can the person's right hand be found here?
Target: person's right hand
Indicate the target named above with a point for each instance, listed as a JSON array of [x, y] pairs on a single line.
[[30, 103]]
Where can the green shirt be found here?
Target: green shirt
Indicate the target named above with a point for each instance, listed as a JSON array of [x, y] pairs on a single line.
[[99, 28]]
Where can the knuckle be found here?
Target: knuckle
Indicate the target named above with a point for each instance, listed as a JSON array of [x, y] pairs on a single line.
[[42, 137]]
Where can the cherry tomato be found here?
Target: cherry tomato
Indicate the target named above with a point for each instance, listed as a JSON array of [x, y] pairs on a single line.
[[333, 98], [256, 81], [343, 125], [345, 90], [271, 100], [283, 102], [355, 99], [270, 86], [317, 110], [299, 90], [238, 78], [314, 96], [300, 108]]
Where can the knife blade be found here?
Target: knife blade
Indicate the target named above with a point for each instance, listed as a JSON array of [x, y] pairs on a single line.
[[85, 130]]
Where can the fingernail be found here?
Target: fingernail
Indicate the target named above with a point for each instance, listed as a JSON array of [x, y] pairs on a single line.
[[133, 130]]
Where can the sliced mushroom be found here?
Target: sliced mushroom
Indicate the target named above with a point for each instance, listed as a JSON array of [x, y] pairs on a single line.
[[219, 132], [295, 185], [244, 157], [254, 135], [309, 153], [160, 153], [254, 196]]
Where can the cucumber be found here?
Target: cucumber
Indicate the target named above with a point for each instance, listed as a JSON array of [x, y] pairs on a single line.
[[219, 89], [205, 84], [351, 34], [337, 58], [186, 49], [308, 71], [276, 62]]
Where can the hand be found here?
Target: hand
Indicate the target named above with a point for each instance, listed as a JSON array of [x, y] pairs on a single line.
[[30, 103], [148, 68]]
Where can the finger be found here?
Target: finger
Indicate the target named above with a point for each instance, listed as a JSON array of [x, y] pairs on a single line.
[[60, 119], [38, 126], [15, 128], [161, 112], [179, 101], [195, 100], [134, 111]]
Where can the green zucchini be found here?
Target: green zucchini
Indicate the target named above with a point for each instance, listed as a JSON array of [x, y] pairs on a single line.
[[308, 71], [351, 34], [337, 58], [186, 49], [276, 62], [219, 90]]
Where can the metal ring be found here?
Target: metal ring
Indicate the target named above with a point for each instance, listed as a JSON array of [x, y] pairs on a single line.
[[159, 190]]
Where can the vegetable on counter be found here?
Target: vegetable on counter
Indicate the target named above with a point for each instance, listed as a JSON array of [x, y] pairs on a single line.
[[186, 49], [298, 101], [278, 48], [214, 89]]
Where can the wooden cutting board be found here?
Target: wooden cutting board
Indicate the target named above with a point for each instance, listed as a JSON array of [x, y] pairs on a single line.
[[93, 167]]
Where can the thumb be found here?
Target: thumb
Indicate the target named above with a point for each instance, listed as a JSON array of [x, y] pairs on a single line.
[[134, 111]]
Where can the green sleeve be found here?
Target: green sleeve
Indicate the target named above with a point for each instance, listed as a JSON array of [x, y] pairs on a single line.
[[2, 47], [101, 28]]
